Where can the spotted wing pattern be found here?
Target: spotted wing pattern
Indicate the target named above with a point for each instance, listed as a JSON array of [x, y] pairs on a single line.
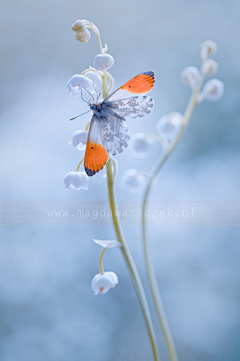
[[114, 133], [133, 107]]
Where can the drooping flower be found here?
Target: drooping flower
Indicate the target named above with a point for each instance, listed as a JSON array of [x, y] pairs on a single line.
[[190, 76], [208, 48], [81, 32], [209, 67], [96, 79], [76, 180], [213, 90], [77, 82], [79, 139], [133, 181], [103, 62], [140, 145], [101, 283], [169, 126]]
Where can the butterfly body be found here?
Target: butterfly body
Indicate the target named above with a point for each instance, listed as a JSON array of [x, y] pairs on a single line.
[[108, 133]]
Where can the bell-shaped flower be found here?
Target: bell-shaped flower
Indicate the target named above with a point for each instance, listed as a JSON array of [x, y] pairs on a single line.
[[133, 181], [213, 90], [76, 180], [209, 67], [103, 62], [208, 48], [96, 79], [101, 283], [190, 76], [81, 33], [169, 126], [76, 82], [140, 145], [79, 139]]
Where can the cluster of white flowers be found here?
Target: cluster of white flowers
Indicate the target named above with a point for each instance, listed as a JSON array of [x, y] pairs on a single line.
[[170, 125], [86, 85]]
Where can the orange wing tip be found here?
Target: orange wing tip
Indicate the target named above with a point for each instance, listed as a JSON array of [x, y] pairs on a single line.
[[96, 157], [142, 83]]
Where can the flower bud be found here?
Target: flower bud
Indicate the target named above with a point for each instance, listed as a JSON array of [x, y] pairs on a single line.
[[140, 145], [132, 181], [76, 180], [79, 139], [79, 25], [103, 62], [169, 126], [101, 283], [209, 67], [213, 90], [83, 36], [208, 48], [190, 76], [96, 79], [76, 82]]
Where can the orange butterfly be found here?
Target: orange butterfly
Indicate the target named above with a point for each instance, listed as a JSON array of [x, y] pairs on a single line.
[[107, 132]]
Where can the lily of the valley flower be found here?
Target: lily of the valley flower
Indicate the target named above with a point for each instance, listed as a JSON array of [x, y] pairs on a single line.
[[169, 126], [209, 67], [81, 32], [140, 145], [213, 90], [190, 76], [103, 62], [79, 139], [96, 79], [101, 283], [208, 48], [133, 181], [76, 82], [76, 180]]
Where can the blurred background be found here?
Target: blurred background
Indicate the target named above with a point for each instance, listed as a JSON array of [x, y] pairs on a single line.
[[47, 308]]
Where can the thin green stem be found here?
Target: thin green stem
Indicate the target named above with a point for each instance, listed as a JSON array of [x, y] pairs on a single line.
[[100, 261], [150, 270], [130, 263]]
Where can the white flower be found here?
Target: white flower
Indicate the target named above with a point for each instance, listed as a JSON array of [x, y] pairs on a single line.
[[81, 32], [208, 48], [107, 244], [213, 90], [190, 76], [96, 79], [140, 144], [76, 82], [101, 283], [76, 180], [169, 126], [209, 67], [79, 139], [103, 62], [133, 181]]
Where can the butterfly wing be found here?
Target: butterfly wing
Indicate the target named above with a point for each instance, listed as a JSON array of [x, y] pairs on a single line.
[[140, 84], [96, 155], [133, 107]]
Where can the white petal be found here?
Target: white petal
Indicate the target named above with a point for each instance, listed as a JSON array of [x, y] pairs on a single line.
[[132, 181], [83, 36], [107, 244], [78, 80], [76, 180], [96, 79], [213, 90], [140, 145], [79, 25], [113, 277], [103, 62], [169, 126], [190, 76], [208, 47], [79, 139], [102, 283], [209, 67]]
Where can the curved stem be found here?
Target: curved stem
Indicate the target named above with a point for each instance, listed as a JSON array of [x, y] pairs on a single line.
[[79, 164], [100, 261], [130, 263], [150, 270]]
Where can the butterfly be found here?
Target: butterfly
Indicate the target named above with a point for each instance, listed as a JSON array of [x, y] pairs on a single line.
[[108, 134]]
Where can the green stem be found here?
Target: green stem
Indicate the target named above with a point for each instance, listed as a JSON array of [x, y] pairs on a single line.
[[104, 83], [100, 261], [150, 270], [130, 263]]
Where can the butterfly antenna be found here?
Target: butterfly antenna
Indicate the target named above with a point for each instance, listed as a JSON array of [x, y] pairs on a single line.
[[83, 99], [80, 115], [89, 94]]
